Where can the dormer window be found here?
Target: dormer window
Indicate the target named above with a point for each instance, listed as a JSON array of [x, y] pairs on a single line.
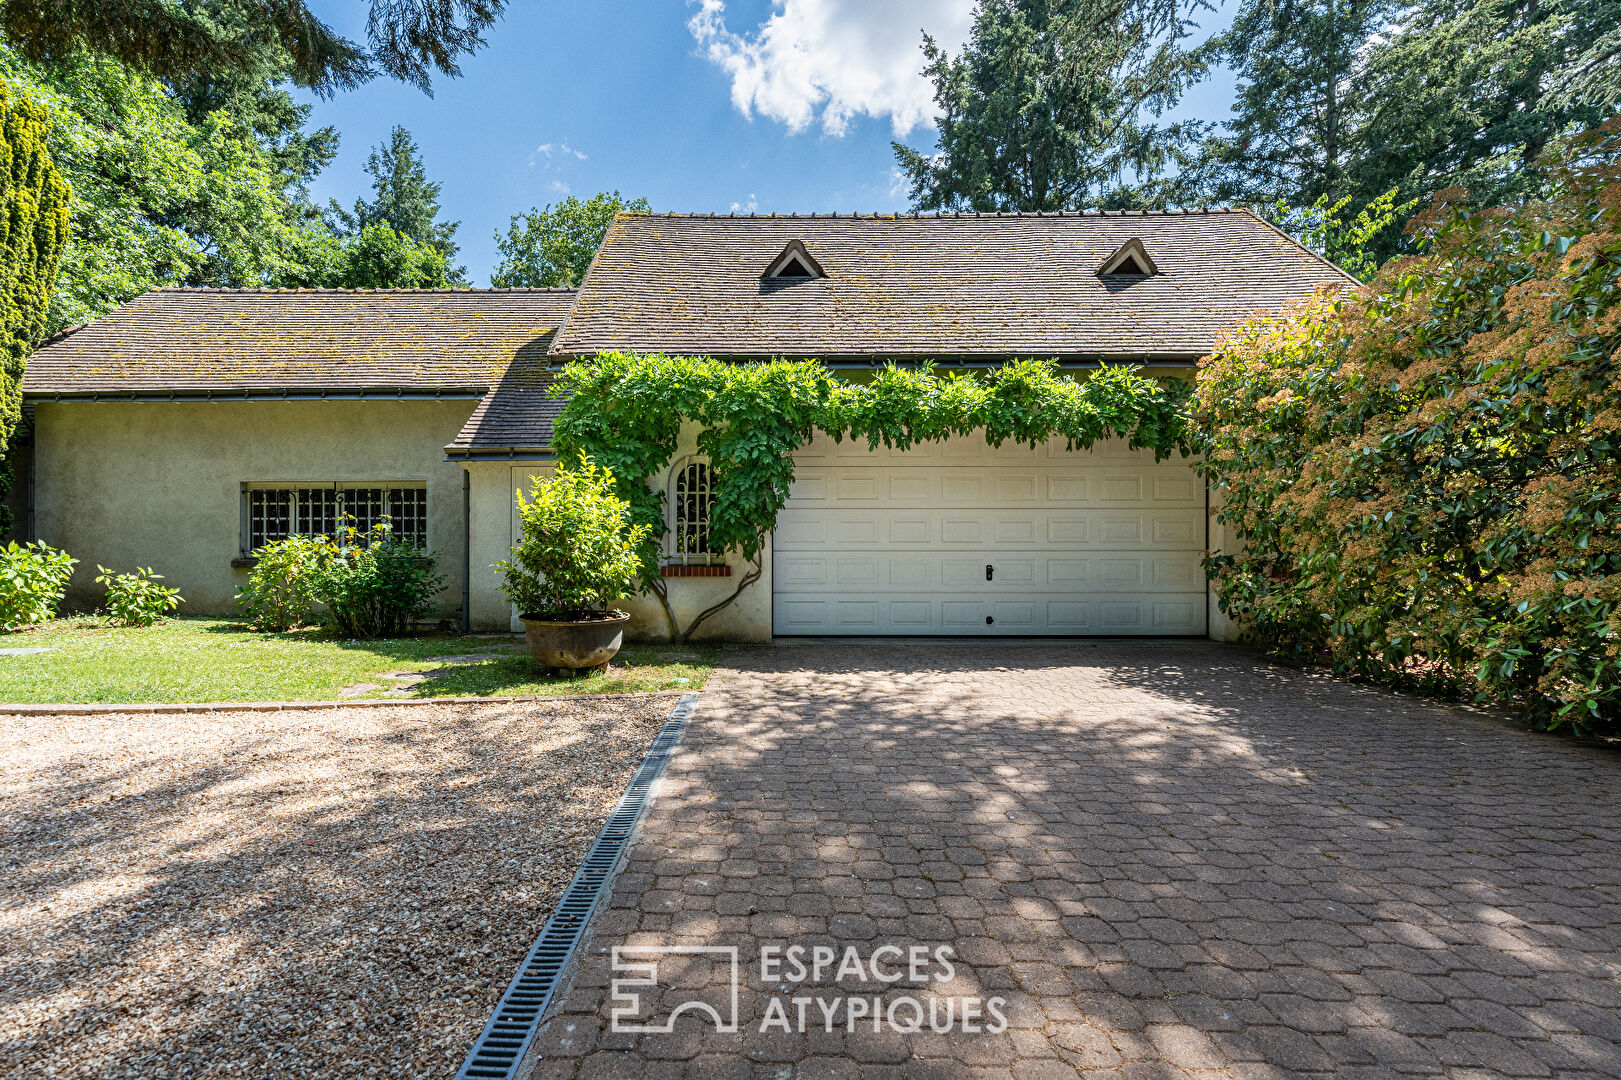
[[794, 264], [1130, 260]]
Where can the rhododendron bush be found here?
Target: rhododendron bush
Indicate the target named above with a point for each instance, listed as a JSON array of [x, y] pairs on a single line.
[[1423, 478]]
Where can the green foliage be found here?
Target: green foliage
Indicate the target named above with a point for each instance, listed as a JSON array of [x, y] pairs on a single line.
[[406, 39], [625, 412], [1294, 133], [1046, 107], [136, 599], [1426, 477], [404, 199], [376, 585], [33, 229], [284, 586], [554, 245], [577, 548], [1352, 99], [160, 198], [33, 579], [380, 258], [1462, 95], [365, 585], [1348, 244]]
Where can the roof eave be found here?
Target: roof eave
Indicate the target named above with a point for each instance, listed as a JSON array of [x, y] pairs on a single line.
[[498, 453], [332, 393], [956, 360]]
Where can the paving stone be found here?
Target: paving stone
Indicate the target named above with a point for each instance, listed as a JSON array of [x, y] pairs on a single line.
[[1172, 859]]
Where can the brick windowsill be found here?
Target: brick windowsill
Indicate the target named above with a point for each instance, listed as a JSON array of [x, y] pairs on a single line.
[[678, 570]]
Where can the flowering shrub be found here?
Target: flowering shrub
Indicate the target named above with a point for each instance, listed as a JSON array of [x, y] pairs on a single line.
[[360, 585], [33, 578], [376, 585], [137, 599], [1425, 476]]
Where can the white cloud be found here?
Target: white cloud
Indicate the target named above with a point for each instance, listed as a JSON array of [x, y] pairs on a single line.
[[560, 187], [750, 207], [548, 149], [833, 59]]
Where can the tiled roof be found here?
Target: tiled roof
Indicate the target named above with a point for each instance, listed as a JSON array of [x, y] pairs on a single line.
[[272, 340], [517, 413], [935, 285]]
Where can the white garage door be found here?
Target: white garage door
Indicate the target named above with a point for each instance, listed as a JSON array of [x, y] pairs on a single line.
[[958, 538]]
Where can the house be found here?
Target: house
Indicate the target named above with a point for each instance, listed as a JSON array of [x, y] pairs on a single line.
[[191, 425]]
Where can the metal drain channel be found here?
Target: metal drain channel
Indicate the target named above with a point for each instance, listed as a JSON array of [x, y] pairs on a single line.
[[501, 1046]]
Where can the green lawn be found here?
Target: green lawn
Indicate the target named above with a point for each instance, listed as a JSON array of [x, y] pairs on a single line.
[[221, 660]]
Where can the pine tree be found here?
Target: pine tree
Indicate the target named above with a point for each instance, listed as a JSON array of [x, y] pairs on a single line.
[[1464, 93], [406, 39], [1295, 131], [404, 199], [1044, 108]]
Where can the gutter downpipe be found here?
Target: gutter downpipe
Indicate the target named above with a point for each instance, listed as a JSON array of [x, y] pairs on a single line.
[[467, 549]]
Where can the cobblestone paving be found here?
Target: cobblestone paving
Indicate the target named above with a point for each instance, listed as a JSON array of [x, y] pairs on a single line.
[[1172, 860]]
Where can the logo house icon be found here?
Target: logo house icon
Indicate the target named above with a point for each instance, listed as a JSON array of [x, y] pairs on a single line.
[[643, 974]]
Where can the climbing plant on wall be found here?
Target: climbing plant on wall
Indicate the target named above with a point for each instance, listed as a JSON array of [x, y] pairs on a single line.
[[33, 228], [625, 411]]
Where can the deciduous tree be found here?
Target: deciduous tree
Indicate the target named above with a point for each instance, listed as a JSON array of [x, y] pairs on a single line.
[[554, 245]]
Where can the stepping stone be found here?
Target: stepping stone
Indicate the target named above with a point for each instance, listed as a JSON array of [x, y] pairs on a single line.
[[405, 678], [360, 689], [21, 652], [682, 656], [467, 658]]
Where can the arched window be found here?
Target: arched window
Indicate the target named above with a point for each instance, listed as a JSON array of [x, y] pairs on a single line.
[[693, 495]]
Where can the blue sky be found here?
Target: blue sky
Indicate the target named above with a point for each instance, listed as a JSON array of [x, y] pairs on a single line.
[[774, 105]]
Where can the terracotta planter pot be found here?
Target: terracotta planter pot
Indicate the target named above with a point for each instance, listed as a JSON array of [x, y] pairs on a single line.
[[575, 645]]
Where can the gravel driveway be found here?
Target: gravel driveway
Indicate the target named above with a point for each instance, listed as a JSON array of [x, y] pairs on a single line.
[[334, 893]]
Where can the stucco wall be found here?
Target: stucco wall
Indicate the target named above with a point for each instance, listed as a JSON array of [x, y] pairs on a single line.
[[495, 529], [1221, 540], [158, 483]]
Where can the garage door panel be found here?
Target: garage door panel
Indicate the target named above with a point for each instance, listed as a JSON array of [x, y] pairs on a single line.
[[902, 573], [805, 529], [886, 542], [1020, 614]]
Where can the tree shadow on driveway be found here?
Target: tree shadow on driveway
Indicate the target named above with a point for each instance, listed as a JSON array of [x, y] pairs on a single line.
[[1181, 857]]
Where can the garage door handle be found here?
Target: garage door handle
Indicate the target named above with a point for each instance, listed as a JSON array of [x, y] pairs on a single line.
[[989, 571]]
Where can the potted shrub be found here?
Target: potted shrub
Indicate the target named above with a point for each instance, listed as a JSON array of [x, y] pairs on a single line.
[[576, 555]]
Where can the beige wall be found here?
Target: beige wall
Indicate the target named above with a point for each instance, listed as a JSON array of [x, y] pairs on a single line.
[[158, 483], [1221, 627], [495, 529]]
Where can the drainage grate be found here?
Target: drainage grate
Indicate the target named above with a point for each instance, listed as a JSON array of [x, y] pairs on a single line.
[[500, 1048]]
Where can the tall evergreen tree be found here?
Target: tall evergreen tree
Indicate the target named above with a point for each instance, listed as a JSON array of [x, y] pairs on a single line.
[[1464, 93], [1356, 98], [408, 40], [1044, 108], [1295, 133], [404, 199]]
